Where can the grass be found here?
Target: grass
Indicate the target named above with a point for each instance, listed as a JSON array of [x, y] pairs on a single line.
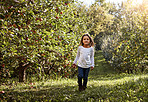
[[104, 85]]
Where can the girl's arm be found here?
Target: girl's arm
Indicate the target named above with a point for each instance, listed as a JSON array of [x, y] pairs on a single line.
[[92, 58]]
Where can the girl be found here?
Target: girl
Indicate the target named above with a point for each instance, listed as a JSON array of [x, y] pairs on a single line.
[[85, 58]]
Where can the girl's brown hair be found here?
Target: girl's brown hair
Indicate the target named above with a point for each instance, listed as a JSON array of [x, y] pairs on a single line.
[[91, 40]]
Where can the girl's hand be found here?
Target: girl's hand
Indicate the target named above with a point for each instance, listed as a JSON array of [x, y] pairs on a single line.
[[92, 68], [74, 65]]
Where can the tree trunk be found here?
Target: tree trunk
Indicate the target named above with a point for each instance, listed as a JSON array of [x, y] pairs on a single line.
[[22, 71], [22, 74]]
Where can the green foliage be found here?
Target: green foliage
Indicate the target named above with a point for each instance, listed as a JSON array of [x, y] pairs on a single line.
[[131, 50], [99, 19], [123, 39], [40, 35]]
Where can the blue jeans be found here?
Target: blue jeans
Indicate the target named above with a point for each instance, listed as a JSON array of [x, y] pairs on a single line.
[[83, 74]]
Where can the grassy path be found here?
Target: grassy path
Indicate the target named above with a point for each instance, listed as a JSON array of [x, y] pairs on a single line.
[[104, 86], [105, 74]]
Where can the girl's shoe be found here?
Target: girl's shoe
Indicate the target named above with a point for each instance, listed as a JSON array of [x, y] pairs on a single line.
[[81, 88], [84, 87]]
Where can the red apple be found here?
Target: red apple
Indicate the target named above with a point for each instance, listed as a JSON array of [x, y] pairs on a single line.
[[57, 10], [19, 27], [14, 25], [57, 17], [31, 87], [2, 92], [10, 7], [3, 65], [10, 25], [26, 38], [64, 66], [6, 16], [36, 19], [40, 19]]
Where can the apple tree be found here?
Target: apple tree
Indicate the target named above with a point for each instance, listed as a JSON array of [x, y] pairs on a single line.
[[42, 36], [130, 53]]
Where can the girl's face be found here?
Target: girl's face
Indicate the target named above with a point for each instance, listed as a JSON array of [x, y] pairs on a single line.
[[86, 40]]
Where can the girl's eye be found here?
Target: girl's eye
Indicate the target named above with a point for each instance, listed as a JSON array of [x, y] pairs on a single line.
[[85, 39]]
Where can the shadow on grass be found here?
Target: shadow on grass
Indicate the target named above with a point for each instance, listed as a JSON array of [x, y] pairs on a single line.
[[129, 91], [55, 93]]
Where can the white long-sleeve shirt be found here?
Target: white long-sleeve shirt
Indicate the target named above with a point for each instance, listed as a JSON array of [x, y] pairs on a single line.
[[85, 57]]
